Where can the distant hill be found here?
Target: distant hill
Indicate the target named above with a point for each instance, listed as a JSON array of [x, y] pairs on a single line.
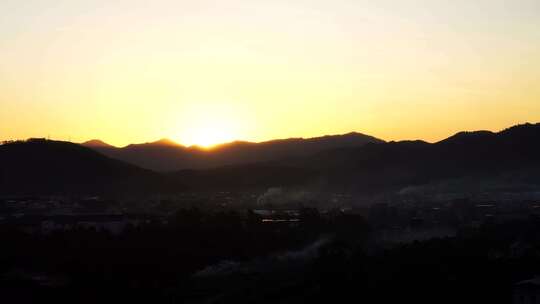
[[350, 163], [378, 167], [96, 143], [165, 155], [399, 164], [40, 166]]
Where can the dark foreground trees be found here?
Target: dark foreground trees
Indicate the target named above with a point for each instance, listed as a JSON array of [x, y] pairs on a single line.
[[318, 260]]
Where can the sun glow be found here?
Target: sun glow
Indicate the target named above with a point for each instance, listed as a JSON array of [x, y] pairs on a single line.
[[204, 72], [207, 129], [211, 134]]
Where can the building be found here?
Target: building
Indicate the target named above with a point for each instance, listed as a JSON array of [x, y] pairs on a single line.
[[527, 292]]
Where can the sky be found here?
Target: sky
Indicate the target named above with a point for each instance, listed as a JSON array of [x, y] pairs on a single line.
[[203, 72]]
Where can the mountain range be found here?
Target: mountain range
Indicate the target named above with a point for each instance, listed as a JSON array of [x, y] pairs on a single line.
[[351, 162], [506, 159], [166, 155]]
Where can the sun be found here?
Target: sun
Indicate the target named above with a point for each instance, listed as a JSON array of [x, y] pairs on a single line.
[[207, 124], [210, 133], [209, 136]]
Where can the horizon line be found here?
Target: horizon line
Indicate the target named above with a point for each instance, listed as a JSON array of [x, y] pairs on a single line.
[[168, 141]]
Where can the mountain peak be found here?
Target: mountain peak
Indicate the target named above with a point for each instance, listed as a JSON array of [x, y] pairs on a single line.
[[165, 142], [468, 136], [96, 143]]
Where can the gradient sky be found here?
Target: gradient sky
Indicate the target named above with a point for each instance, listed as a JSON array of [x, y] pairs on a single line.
[[205, 71]]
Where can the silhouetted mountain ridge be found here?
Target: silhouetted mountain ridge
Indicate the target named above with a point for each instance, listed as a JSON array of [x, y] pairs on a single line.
[[377, 167], [165, 155], [340, 163], [164, 142], [466, 154], [40, 166], [96, 143]]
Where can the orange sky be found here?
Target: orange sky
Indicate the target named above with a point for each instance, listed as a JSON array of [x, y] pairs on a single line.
[[201, 72]]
